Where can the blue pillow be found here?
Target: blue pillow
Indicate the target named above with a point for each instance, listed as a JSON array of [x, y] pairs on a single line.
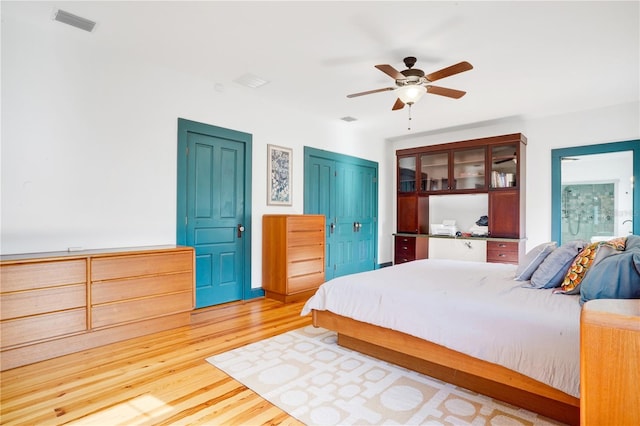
[[533, 259], [633, 242], [552, 270], [614, 277]]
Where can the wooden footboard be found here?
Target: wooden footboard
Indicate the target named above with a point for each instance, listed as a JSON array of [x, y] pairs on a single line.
[[453, 367]]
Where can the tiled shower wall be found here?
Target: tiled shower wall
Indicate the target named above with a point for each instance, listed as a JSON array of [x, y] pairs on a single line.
[[588, 210]]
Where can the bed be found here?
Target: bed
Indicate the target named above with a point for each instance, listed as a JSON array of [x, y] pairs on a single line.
[[467, 323]]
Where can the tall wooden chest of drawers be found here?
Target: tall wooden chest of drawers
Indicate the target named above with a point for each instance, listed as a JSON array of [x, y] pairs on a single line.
[[293, 255]]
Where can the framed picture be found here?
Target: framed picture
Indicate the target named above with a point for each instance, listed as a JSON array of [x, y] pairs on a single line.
[[279, 169]]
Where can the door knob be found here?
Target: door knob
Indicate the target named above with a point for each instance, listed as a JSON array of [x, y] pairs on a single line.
[[240, 230]]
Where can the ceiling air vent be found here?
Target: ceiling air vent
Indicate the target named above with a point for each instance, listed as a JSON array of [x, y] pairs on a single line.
[[348, 119], [73, 20], [251, 80]]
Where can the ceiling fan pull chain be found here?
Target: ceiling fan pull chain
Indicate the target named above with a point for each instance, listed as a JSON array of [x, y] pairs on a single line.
[[409, 125]]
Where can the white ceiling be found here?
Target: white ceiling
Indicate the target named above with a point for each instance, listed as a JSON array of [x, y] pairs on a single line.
[[530, 58]]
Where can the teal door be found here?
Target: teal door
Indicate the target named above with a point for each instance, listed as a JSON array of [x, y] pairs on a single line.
[[356, 225], [319, 198], [212, 209], [361, 181], [344, 189]]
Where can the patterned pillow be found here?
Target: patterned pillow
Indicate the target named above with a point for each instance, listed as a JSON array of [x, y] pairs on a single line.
[[582, 263], [619, 243]]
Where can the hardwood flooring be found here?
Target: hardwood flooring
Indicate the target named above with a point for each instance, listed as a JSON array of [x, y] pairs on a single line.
[[158, 379]]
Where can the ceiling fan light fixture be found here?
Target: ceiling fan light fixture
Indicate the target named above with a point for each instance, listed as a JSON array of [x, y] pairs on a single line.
[[411, 93]]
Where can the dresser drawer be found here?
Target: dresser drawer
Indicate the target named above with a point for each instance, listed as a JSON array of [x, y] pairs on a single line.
[[305, 223], [399, 259], [42, 301], [405, 247], [503, 252], [305, 267], [130, 310], [132, 288], [314, 251], [305, 282], [46, 326], [113, 267], [303, 238], [29, 276]]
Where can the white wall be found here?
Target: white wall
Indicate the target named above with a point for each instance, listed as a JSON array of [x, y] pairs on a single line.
[[88, 148], [89, 144]]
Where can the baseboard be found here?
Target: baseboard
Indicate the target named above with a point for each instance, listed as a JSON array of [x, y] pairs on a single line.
[[254, 293]]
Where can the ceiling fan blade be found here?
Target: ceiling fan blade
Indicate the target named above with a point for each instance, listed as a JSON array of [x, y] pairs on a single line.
[[500, 160], [503, 161], [443, 91], [368, 92], [449, 71], [390, 71], [398, 105]]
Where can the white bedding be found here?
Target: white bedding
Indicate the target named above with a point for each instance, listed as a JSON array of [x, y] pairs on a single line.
[[471, 307]]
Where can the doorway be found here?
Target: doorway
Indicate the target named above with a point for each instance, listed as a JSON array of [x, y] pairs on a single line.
[[214, 209], [595, 193]]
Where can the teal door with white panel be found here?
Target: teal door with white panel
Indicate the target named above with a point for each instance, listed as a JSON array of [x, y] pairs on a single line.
[[213, 214]]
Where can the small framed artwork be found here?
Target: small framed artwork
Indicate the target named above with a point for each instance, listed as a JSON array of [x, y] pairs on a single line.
[[279, 169]]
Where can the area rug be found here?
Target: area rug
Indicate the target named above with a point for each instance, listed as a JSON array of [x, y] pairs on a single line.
[[306, 374]]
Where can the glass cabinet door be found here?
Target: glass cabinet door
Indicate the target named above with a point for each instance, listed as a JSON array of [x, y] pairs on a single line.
[[434, 172], [468, 169], [504, 166], [407, 174]]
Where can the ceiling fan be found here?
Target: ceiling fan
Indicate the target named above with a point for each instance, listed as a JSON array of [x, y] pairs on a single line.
[[504, 159], [412, 83]]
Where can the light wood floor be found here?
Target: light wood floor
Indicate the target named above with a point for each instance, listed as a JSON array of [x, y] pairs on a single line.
[[160, 379]]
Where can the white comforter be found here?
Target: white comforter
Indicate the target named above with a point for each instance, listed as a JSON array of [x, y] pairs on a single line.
[[471, 307]]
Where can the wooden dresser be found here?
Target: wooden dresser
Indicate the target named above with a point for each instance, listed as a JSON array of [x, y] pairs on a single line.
[[610, 363], [293, 255], [57, 303]]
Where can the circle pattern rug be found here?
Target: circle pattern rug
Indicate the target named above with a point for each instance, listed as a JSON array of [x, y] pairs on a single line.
[[308, 375]]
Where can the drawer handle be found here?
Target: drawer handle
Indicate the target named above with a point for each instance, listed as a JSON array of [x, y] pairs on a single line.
[[502, 245], [502, 255]]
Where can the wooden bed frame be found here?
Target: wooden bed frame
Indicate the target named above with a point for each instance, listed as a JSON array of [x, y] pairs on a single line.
[[452, 367]]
